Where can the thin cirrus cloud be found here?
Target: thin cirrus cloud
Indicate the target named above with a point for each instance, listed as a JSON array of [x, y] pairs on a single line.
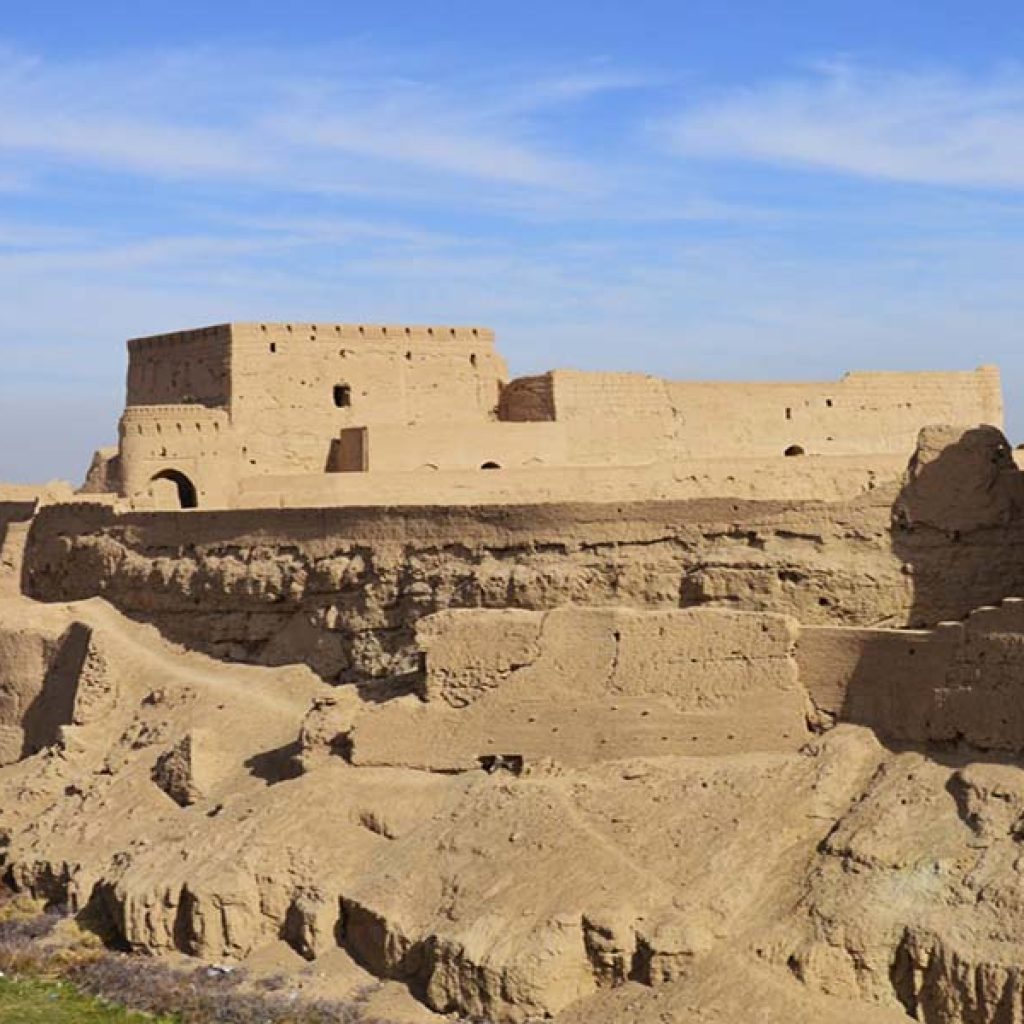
[[321, 129], [930, 128]]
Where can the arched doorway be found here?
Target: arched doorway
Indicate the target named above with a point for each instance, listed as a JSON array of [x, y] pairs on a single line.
[[490, 465], [171, 482], [794, 449]]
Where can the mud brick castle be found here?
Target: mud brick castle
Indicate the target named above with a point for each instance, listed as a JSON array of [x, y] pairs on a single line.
[[251, 414]]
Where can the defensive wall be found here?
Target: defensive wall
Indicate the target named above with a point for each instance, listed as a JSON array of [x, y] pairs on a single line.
[[619, 417], [586, 684], [342, 588], [814, 477], [269, 413]]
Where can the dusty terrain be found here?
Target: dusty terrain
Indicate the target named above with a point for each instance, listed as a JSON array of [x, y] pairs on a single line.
[[570, 763]]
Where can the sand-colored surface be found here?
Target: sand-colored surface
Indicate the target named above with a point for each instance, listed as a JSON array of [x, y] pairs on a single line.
[[661, 763]]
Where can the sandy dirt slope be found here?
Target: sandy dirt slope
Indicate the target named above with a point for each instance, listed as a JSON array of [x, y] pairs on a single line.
[[211, 810]]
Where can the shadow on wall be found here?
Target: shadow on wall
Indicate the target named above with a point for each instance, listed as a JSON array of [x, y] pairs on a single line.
[[954, 675], [54, 705]]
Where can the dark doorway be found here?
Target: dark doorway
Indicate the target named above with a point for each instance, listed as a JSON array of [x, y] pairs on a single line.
[[794, 449], [187, 497]]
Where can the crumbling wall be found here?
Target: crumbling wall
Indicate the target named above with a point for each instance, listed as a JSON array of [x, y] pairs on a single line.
[[528, 399], [962, 681], [579, 685], [40, 663], [342, 588], [104, 473]]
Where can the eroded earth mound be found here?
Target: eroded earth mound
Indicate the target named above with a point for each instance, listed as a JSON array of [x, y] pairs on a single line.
[[687, 774]]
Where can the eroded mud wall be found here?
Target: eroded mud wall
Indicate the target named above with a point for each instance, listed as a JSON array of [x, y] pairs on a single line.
[[343, 588]]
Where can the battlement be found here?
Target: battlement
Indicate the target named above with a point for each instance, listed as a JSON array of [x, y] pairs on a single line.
[[380, 332], [424, 333], [171, 417]]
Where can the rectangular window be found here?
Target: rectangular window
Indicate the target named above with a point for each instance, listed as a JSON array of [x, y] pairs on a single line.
[[342, 396]]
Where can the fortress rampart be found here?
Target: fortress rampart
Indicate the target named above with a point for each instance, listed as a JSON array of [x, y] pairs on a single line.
[[342, 587], [276, 414]]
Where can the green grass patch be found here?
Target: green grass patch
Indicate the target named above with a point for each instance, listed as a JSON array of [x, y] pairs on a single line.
[[29, 1001]]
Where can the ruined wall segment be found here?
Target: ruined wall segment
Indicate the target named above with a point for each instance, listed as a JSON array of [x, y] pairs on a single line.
[[958, 682]]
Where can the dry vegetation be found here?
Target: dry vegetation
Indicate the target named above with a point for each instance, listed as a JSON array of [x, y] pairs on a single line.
[[54, 971]]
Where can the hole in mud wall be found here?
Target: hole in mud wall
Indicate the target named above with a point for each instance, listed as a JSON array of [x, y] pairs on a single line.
[[490, 465], [794, 449], [342, 396]]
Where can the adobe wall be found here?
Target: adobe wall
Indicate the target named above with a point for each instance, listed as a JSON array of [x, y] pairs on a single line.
[[186, 367], [15, 516], [192, 439], [629, 418], [394, 448], [524, 479], [284, 378], [40, 657], [584, 684], [237, 400], [961, 681], [343, 587], [300, 400]]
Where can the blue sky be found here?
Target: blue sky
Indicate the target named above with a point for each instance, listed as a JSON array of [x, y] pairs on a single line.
[[724, 190]]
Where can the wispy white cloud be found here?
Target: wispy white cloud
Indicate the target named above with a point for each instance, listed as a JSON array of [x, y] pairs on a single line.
[[308, 123], [934, 128]]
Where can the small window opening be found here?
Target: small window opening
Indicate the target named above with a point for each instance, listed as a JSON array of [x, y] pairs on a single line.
[[789, 413], [342, 396], [472, 359], [794, 449], [408, 355], [490, 465], [828, 402], [273, 346]]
